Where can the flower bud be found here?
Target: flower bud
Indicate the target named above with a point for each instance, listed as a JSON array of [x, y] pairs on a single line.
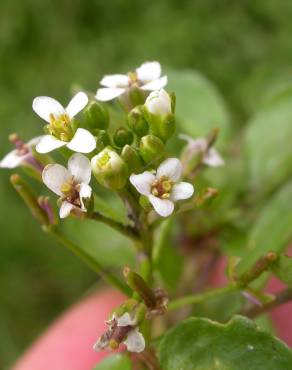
[[122, 137], [109, 169], [137, 122], [159, 107], [132, 158], [102, 139], [151, 148], [96, 116]]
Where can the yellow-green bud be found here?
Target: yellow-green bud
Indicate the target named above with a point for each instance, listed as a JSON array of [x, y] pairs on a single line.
[[96, 116], [137, 122], [109, 169], [151, 148], [122, 137], [132, 158]]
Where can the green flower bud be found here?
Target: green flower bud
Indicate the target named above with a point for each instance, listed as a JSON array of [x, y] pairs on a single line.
[[137, 122], [132, 158], [122, 137], [96, 116], [144, 203], [102, 139], [109, 169], [151, 148]]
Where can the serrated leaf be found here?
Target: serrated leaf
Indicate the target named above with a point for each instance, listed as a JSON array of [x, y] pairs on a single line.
[[268, 145], [201, 344], [282, 268], [199, 106], [272, 229], [115, 362]]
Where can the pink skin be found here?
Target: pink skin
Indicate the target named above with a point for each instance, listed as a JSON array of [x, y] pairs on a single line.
[[67, 344]]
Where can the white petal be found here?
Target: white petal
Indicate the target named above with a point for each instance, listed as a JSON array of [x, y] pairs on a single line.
[[158, 102], [80, 168], [48, 143], [213, 158], [85, 192], [148, 71], [77, 103], [182, 190], [117, 80], [135, 341], [163, 207], [65, 209], [126, 320], [82, 142], [34, 141], [12, 160], [54, 176], [109, 93], [156, 84], [44, 106], [170, 168], [142, 182]]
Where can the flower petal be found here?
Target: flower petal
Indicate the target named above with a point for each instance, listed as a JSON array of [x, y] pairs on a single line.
[[34, 141], [82, 142], [44, 106], [164, 207], [142, 182], [126, 320], [48, 143], [54, 176], [77, 103], [65, 209], [80, 168], [84, 192], [213, 158], [109, 93], [148, 71], [182, 190], [12, 160], [170, 168], [156, 84], [158, 102], [117, 80], [135, 341]]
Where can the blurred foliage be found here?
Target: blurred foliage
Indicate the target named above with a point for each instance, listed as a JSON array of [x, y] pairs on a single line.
[[46, 46]]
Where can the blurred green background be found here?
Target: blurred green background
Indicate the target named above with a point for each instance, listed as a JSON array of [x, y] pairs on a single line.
[[47, 46]]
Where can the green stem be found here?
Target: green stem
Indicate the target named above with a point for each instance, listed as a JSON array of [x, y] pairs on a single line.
[[201, 297], [127, 231], [90, 261]]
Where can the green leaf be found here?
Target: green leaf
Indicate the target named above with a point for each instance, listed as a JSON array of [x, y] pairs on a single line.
[[272, 229], [201, 344], [115, 362], [199, 106], [268, 145], [282, 268]]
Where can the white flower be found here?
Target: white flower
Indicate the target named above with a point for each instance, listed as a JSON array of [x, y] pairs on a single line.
[[71, 184], [22, 154], [146, 77], [163, 189], [211, 158], [59, 119], [132, 338], [159, 102]]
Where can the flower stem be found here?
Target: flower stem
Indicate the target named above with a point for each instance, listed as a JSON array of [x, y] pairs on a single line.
[[127, 231], [89, 260], [201, 297]]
